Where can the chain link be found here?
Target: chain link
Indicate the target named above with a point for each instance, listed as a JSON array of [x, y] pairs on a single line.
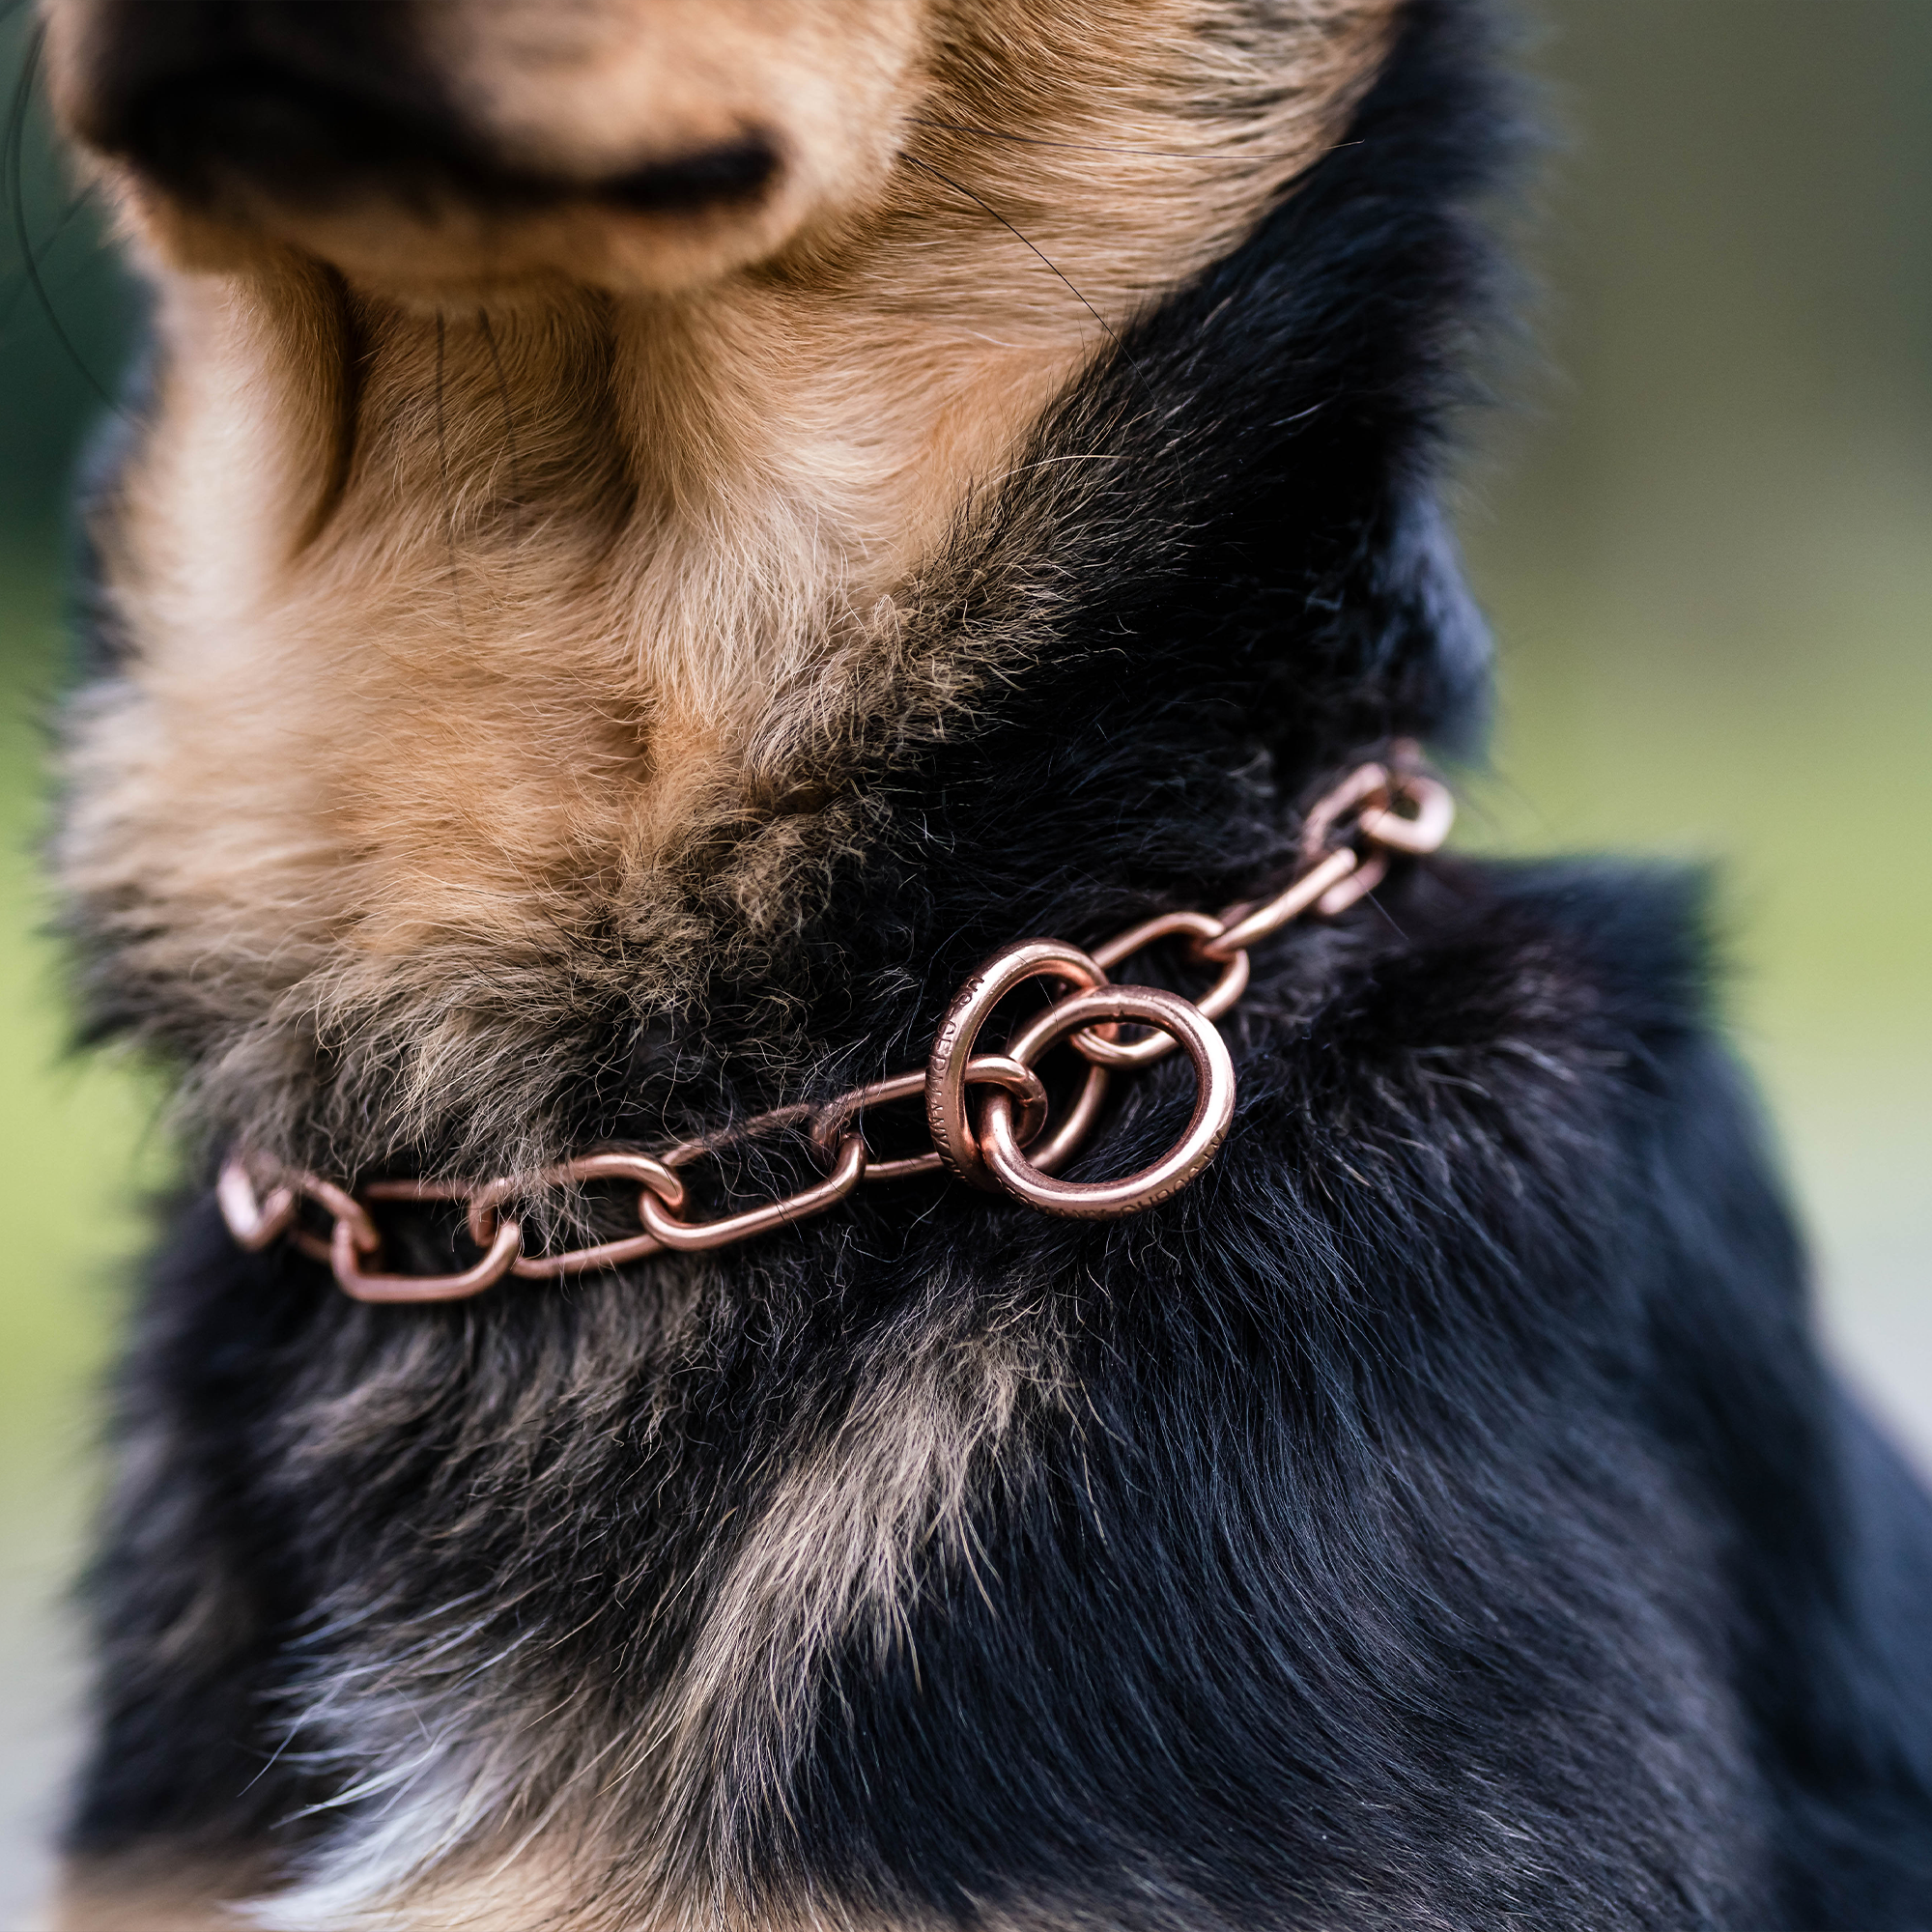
[[1007, 1144]]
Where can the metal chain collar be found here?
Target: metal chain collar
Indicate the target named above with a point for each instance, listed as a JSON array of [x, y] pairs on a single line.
[[1007, 1146]]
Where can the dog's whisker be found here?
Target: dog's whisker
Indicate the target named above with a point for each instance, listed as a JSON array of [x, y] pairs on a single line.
[[17, 199], [504, 396], [1113, 334], [43, 253], [442, 475]]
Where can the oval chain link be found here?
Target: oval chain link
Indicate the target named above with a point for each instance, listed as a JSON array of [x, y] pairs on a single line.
[[1008, 1145]]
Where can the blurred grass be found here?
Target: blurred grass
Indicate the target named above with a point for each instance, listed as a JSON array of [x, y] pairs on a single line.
[[79, 1150], [1805, 774], [1709, 568]]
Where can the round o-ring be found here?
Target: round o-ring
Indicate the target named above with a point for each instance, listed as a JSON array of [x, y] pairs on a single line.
[[1104, 1200]]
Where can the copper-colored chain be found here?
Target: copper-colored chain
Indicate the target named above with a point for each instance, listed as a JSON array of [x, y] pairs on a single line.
[[1009, 1146]]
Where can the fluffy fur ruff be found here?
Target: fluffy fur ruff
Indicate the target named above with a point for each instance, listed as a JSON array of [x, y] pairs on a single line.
[[1438, 1517]]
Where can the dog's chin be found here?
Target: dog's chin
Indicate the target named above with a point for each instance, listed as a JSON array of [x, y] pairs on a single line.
[[436, 248]]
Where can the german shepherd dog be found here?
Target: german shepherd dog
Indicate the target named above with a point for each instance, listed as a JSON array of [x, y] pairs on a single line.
[[656, 535]]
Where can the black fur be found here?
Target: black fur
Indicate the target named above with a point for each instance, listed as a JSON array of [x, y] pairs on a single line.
[[1436, 1516]]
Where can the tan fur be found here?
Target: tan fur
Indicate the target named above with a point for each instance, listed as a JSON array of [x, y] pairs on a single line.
[[513, 1891], [464, 598]]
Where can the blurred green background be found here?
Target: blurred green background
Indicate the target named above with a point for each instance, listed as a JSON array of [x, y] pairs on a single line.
[[1706, 540]]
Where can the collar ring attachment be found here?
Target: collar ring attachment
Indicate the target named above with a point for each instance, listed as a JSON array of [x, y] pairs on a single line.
[[1377, 812]]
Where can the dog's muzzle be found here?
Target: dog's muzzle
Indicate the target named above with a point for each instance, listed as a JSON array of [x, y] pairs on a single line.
[[329, 101]]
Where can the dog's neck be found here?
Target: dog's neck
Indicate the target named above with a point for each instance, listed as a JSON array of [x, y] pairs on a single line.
[[573, 560], [478, 653]]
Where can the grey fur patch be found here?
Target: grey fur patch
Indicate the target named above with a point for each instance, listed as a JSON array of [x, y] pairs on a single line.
[[457, 1745]]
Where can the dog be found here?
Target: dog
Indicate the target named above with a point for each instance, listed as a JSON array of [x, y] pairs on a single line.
[[652, 539]]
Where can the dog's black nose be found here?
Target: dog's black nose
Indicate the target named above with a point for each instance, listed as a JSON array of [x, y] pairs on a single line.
[[312, 101]]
